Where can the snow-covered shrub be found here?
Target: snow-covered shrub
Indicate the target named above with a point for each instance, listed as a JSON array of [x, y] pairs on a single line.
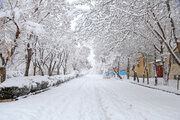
[[13, 92], [11, 74], [19, 86]]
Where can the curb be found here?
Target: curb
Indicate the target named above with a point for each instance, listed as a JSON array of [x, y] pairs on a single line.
[[155, 88]]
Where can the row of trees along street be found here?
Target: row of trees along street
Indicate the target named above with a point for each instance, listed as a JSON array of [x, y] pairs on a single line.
[[36, 38], [122, 29]]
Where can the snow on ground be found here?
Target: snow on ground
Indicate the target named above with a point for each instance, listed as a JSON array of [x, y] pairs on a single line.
[[171, 87], [93, 98]]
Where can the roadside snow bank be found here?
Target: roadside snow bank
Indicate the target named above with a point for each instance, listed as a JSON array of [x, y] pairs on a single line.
[[19, 86]]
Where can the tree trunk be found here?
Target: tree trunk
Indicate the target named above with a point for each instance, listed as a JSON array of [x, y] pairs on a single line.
[[28, 62], [2, 74], [58, 68], [155, 72], [64, 70], [40, 68], [137, 77], [5, 60], [165, 71], [49, 72], [116, 71], [147, 73], [119, 76], [51, 65], [143, 77], [58, 71], [60, 58], [65, 63], [34, 68], [2, 69], [135, 74], [145, 70], [128, 69]]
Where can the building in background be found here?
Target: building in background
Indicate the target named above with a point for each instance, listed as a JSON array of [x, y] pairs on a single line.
[[175, 68], [140, 64]]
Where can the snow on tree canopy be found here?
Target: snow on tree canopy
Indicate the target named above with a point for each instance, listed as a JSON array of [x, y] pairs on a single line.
[[17, 13], [34, 27], [2, 14]]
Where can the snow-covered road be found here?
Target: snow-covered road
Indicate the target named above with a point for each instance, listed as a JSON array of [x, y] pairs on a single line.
[[93, 98]]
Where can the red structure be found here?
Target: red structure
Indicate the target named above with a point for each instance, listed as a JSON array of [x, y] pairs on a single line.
[[159, 70]]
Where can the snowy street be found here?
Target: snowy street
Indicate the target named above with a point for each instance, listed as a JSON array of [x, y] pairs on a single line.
[[93, 98], [89, 60]]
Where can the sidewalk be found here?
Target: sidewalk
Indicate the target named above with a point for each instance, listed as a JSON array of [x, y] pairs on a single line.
[[171, 88]]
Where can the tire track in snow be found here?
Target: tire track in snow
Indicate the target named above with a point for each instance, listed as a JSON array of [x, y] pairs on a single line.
[[99, 102], [108, 95], [104, 111], [64, 102], [91, 109]]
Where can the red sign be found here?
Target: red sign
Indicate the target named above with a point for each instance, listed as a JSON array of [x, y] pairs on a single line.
[[159, 70]]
